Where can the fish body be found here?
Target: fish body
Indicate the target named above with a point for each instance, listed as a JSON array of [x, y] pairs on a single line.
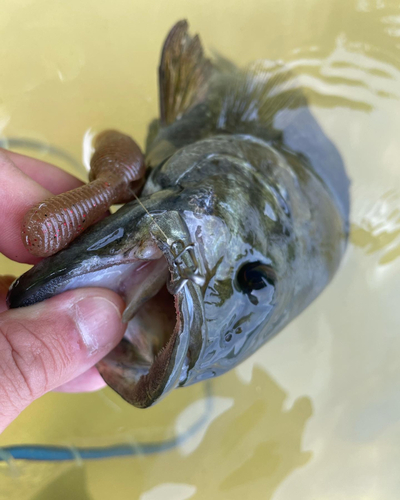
[[242, 222]]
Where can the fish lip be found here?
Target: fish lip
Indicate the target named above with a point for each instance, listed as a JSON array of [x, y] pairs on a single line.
[[91, 250], [168, 369], [180, 354]]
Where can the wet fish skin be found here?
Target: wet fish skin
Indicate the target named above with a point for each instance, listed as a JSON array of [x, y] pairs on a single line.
[[301, 235], [227, 181]]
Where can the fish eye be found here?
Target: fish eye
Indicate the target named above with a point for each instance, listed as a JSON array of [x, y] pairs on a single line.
[[257, 280]]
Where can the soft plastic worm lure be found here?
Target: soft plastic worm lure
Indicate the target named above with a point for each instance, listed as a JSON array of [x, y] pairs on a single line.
[[117, 171]]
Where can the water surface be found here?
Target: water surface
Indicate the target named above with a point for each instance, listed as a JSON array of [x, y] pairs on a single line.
[[315, 413]]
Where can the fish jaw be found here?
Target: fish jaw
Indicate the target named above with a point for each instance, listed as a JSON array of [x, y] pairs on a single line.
[[133, 253]]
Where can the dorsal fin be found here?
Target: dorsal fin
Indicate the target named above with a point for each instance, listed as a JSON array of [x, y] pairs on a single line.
[[256, 94], [183, 73]]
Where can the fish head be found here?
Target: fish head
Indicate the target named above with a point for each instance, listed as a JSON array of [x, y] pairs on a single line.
[[264, 257], [207, 262]]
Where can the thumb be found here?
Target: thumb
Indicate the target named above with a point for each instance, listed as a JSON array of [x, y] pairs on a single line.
[[47, 344]]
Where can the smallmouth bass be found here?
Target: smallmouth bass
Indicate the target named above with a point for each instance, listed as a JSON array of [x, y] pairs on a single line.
[[242, 222]]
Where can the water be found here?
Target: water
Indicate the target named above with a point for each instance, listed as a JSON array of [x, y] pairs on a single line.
[[315, 413]]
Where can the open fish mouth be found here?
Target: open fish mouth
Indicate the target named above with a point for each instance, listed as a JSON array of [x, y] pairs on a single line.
[[152, 315], [135, 261]]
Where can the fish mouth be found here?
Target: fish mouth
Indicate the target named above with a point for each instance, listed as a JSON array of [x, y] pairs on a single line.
[[154, 355]]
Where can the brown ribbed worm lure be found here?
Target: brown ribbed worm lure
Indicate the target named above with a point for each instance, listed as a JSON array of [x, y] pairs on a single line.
[[117, 171]]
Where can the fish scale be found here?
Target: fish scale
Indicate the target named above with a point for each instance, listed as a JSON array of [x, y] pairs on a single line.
[[245, 209]]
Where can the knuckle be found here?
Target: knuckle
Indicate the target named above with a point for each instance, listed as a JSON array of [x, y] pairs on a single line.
[[28, 364], [15, 392]]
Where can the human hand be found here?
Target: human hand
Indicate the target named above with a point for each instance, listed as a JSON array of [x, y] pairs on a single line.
[[56, 343]]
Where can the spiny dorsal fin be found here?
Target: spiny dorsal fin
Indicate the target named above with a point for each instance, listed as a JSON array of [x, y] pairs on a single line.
[[256, 94], [183, 73]]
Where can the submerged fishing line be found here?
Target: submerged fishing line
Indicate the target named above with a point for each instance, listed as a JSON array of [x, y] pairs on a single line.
[[42, 147], [49, 453]]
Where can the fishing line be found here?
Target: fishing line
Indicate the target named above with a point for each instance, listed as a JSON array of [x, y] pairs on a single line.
[[151, 217], [15, 143], [49, 453]]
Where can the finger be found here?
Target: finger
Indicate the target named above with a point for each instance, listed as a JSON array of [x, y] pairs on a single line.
[[48, 344], [19, 194], [87, 382], [52, 178], [5, 283]]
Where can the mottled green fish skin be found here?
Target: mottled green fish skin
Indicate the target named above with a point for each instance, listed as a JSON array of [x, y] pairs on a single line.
[[244, 190]]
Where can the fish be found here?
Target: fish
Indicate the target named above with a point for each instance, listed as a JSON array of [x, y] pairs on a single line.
[[242, 222]]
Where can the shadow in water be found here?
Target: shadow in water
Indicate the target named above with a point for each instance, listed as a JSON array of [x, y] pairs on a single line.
[[257, 443], [249, 443], [71, 484]]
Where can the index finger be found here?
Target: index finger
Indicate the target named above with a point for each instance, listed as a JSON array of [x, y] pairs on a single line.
[[18, 194], [52, 178]]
